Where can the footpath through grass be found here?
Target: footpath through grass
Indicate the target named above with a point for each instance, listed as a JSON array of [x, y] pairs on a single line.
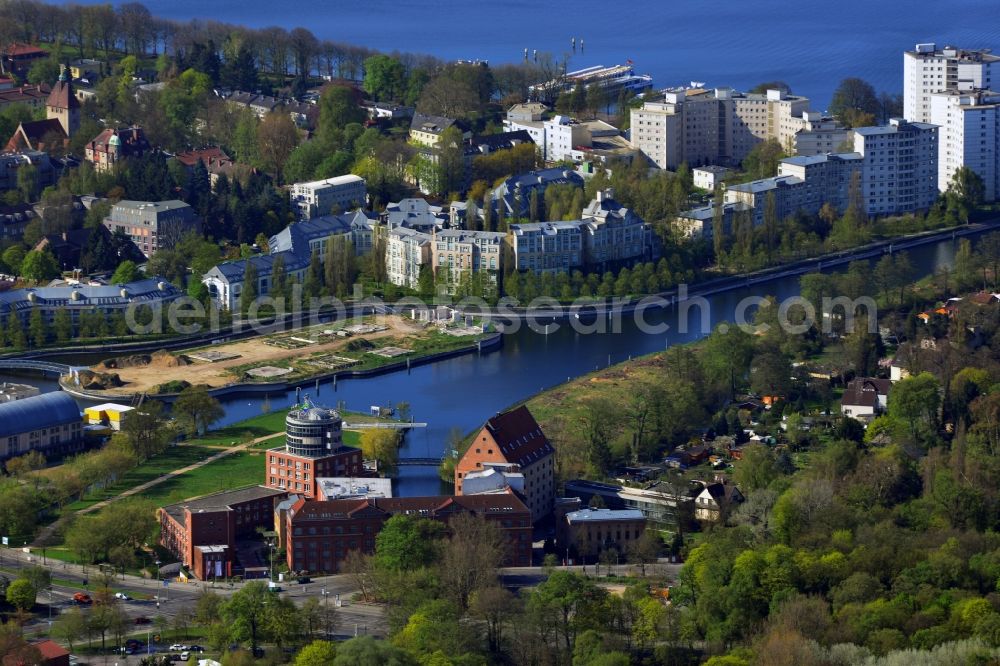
[[240, 469], [174, 458], [233, 471]]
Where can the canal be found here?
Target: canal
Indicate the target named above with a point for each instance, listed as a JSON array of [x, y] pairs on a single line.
[[464, 391]]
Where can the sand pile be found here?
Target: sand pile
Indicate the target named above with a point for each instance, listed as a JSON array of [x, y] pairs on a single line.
[[158, 359]]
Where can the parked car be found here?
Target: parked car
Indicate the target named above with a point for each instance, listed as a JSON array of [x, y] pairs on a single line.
[[121, 596], [142, 620], [185, 656], [81, 598], [196, 648], [304, 579], [178, 647]]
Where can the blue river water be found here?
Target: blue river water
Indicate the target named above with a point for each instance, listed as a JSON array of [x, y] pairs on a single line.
[[464, 391], [739, 43]]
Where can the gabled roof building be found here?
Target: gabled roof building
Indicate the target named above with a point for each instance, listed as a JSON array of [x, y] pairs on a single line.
[[114, 145], [513, 196], [514, 438], [865, 397]]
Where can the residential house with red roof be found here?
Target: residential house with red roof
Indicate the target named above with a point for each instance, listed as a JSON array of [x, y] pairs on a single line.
[[514, 438], [29, 95], [52, 653], [216, 162], [18, 58]]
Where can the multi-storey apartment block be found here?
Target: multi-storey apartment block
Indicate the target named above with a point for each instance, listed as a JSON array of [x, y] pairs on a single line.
[[928, 70], [968, 135]]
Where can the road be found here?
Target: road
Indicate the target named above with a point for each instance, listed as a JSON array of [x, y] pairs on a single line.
[[519, 577], [151, 599]]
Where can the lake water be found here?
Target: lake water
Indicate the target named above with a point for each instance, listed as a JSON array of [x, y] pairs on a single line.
[[464, 391], [739, 43]]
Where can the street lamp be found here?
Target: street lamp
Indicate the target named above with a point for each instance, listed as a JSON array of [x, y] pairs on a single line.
[[52, 600], [270, 543], [326, 611], [157, 583]]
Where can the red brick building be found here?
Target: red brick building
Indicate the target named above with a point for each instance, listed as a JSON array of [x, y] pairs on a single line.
[[515, 438], [297, 474], [203, 532], [321, 534], [313, 448]]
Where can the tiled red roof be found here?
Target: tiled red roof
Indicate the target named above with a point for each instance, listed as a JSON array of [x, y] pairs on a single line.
[[51, 649], [36, 129], [209, 156], [20, 50], [62, 96], [32, 134], [422, 506], [519, 436], [132, 140], [24, 94]]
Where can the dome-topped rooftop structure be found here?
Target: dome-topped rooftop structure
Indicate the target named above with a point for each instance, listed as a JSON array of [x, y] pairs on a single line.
[[313, 431]]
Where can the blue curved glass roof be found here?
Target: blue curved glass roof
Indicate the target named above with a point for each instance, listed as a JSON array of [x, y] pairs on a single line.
[[40, 411]]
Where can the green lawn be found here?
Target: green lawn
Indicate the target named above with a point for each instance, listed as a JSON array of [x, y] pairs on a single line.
[[266, 424], [173, 458], [258, 426], [233, 471]]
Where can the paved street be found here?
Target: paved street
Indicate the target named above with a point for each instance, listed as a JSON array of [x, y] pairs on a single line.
[[153, 599]]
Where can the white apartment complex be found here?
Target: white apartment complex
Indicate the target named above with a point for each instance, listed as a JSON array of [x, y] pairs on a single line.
[[562, 138], [321, 197], [900, 168], [614, 233], [607, 233], [406, 252], [547, 247], [969, 135], [789, 193], [714, 126], [895, 167], [820, 135], [707, 177], [700, 222], [562, 135], [927, 70]]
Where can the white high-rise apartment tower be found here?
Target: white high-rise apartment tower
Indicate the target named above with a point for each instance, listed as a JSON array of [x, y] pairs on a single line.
[[969, 136], [927, 70]]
